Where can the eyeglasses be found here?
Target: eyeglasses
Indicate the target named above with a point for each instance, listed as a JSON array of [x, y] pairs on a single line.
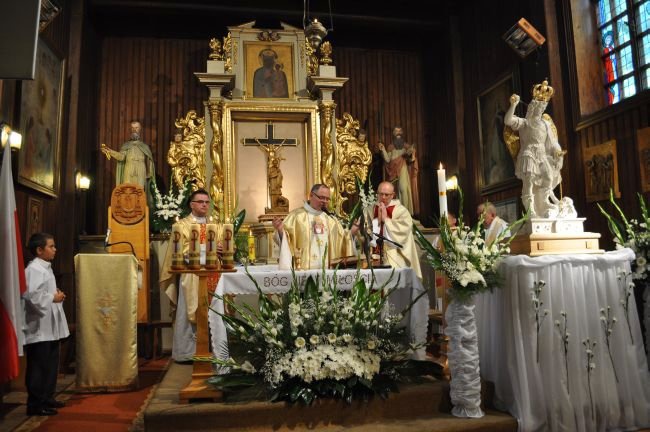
[[201, 202], [385, 194], [321, 198]]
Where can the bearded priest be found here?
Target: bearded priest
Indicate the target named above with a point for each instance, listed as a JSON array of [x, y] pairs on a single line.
[[393, 221], [311, 231]]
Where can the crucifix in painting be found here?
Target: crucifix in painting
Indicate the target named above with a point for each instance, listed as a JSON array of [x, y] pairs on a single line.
[[272, 146]]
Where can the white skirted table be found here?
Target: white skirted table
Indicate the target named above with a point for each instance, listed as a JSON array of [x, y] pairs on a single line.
[[557, 393], [271, 280]]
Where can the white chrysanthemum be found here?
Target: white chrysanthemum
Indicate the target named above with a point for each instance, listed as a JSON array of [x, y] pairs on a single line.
[[300, 342]]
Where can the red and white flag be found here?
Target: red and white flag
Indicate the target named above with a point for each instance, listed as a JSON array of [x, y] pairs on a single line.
[[12, 275]]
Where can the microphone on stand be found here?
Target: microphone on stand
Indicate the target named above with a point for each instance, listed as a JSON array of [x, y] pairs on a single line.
[[107, 238], [107, 244]]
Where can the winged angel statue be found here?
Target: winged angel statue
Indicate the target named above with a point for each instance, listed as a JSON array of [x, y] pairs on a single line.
[[533, 144]]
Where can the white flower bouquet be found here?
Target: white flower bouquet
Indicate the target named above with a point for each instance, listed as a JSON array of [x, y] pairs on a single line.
[[317, 341], [169, 207], [633, 234], [465, 258]]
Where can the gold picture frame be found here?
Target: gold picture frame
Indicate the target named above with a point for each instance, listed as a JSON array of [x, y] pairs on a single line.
[[601, 171], [497, 167], [41, 118], [34, 217], [269, 70]]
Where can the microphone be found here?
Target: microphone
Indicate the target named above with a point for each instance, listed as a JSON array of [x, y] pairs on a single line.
[[108, 236]]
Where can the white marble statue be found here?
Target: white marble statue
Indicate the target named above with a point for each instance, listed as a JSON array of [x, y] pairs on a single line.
[[540, 157]]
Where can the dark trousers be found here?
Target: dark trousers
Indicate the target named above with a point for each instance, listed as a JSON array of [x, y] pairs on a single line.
[[42, 369]]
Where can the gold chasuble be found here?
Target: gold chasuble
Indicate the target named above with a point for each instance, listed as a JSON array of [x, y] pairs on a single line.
[[399, 228], [189, 283], [308, 231]]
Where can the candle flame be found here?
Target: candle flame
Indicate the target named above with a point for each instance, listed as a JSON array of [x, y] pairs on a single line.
[[440, 166]]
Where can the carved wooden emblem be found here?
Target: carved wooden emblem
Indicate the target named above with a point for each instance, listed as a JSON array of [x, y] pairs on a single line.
[[128, 203]]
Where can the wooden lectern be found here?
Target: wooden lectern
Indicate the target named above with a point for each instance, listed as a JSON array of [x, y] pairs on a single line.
[[128, 220], [198, 388]]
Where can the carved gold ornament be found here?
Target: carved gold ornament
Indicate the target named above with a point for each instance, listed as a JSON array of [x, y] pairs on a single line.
[[326, 53], [186, 154], [326, 110], [268, 36], [354, 156], [228, 52], [312, 60], [216, 50], [216, 152]]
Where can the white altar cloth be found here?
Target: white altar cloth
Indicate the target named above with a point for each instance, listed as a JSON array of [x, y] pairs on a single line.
[[536, 393], [272, 280]]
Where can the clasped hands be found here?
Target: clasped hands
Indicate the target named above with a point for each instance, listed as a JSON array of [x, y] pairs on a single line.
[[382, 212], [59, 296]]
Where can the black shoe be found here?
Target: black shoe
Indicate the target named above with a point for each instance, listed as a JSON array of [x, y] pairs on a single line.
[[41, 411], [53, 403], [184, 362]]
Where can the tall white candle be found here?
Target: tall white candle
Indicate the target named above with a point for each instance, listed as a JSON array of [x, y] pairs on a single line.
[[442, 191]]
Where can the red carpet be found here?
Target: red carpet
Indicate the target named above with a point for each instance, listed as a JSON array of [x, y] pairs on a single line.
[[106, 412]]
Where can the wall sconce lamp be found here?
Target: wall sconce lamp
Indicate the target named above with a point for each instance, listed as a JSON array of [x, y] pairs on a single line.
[[452, 183], [82, 182], [7, 135]]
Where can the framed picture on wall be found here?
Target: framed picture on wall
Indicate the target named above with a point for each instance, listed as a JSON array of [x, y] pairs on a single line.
[[269, 70], [497, 168], [41, 115], [643, 147], [34, 217], [601, 171]]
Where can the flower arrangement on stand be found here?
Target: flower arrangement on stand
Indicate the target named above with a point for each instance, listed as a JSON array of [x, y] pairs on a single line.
[[633, 234], [170, 207], [471, 266], [318, 342]]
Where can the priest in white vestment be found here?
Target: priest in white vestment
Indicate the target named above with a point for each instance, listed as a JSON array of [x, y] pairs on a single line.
[[492, 223], [393, 221], [310, 232], [186, 298]]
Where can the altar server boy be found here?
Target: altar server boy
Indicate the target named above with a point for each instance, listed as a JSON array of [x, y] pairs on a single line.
[[44, 325]]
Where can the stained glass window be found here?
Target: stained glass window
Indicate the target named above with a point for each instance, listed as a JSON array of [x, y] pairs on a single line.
[[624, 30]]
